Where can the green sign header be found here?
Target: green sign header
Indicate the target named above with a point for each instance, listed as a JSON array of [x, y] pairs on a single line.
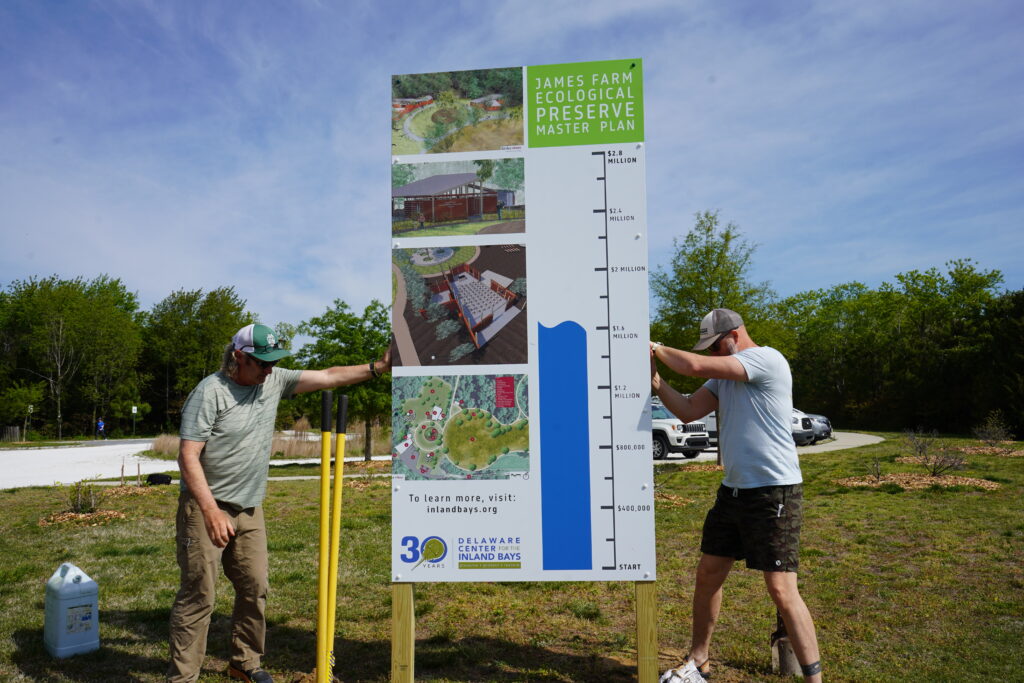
[[588, 103]]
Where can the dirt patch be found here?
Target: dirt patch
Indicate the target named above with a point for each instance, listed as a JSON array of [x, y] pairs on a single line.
[[671, 500], [910, 482], [97, 518], [444, 116], [366, 483], [372, 467], [128, 491]]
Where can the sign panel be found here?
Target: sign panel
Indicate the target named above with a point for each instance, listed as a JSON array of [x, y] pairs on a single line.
[[521, 400]]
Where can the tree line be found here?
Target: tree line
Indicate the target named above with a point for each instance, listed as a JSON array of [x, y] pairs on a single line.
[[76, 350], [936, 349]]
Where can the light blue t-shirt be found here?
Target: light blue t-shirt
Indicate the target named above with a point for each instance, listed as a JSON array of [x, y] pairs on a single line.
[[754, 417]]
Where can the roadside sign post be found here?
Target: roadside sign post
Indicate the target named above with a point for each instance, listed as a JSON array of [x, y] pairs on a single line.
[[135, 410]]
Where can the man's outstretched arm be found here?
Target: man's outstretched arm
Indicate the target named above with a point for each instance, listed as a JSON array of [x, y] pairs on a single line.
[[342, 375]]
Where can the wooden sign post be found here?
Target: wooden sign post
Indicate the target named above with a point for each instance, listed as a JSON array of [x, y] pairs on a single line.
[[403, 633]]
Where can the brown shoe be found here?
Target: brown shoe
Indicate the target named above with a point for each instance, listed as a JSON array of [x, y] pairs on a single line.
[[256, 675]]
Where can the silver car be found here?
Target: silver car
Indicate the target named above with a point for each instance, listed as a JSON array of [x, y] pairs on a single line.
[[821, 426]]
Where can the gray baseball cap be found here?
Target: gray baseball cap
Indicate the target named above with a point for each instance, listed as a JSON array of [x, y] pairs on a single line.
[[716, 323]]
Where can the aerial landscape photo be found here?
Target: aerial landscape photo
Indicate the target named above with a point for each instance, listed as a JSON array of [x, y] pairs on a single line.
[[460, 427], [457, 111]]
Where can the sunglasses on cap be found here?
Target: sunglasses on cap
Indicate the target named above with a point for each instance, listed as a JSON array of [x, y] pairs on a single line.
[[261, 348]]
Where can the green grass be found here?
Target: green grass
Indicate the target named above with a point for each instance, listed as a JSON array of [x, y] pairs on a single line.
[[67, 441], [473, 441], [928, 584], [447, 229], [421, 122], [460, 256], [401, 145]]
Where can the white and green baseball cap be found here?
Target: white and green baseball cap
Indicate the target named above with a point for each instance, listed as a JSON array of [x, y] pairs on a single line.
[[260, 341]]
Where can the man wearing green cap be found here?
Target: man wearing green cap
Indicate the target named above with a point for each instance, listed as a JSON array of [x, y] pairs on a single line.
[[227, 427]]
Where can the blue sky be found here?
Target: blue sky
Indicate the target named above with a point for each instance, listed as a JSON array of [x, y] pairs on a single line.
[[198, 144]]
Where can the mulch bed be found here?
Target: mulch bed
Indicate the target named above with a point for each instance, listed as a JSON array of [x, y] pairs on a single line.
[[704, 467], [909, 481], [97, 518], [993, 450]]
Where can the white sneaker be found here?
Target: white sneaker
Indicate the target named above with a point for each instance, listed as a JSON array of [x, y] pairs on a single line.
[[687, 673]]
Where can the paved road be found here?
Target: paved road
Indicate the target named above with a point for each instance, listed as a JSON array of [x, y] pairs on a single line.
[[67, 464], [91, 460], [841, 440], [103, 459]]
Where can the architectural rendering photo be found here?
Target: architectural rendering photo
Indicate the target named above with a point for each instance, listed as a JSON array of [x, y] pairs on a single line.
[[485, 196], [459, 305], [457, 111]]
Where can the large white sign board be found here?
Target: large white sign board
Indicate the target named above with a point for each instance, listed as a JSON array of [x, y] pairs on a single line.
[[521, 416]]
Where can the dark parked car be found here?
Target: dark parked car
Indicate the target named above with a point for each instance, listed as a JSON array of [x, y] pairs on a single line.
[[821, 426]]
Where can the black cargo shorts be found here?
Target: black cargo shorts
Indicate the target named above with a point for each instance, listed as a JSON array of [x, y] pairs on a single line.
[[760, 525]]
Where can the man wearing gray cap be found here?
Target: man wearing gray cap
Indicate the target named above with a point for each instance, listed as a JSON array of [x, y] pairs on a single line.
[[759, 506], [227, 426]]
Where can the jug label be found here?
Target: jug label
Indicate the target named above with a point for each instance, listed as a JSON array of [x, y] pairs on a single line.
[[79, 618]]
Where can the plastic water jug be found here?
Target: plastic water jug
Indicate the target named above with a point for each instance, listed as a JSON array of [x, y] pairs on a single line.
[[72, 624]]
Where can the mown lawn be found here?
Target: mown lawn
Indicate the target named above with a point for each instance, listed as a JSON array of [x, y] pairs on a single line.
[[449, 229], [924, 585]]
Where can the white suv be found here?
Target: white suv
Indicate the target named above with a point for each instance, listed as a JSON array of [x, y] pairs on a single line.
[[672, 435]]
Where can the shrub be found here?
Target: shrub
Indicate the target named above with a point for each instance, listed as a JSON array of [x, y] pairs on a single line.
[[447, 328], [82, 497], [993, 431], [875, 469], [459, 351], [934, 455]]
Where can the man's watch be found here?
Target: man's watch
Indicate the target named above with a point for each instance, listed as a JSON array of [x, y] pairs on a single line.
[[373, 369]]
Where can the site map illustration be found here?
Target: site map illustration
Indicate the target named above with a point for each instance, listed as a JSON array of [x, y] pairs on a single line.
[[460, 427]]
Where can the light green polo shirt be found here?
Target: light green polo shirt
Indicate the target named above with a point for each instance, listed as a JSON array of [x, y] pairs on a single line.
[[237, 425]]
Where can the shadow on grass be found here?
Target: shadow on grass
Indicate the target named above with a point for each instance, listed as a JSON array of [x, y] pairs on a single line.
[[124, 656], [133, 649]]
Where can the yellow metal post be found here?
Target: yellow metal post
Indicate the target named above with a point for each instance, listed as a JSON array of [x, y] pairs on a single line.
[[323, 565], [339, 482], [646, 632], [403, 633]]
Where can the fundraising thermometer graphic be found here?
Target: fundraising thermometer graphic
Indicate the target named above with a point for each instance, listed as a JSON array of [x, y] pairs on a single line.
[[597, 497]]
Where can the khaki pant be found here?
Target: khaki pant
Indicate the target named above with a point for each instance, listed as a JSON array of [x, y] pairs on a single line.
[[245, 564]]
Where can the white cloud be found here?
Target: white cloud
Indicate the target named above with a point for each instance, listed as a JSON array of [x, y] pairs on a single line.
[[196, 146]]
